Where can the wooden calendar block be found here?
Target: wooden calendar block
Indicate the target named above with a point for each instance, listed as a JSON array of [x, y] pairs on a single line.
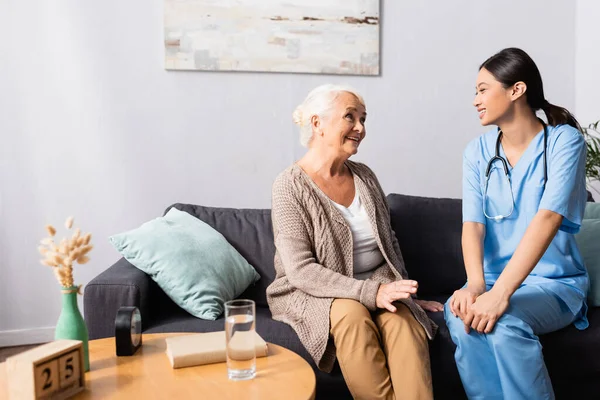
[[69, 367], [46, 378], [51, 371]]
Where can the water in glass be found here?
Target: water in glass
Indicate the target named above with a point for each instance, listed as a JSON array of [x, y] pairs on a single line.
[[241, 356]]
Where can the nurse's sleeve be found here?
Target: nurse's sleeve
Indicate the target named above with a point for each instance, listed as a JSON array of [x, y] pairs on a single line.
[[565, 192], [472, 197]]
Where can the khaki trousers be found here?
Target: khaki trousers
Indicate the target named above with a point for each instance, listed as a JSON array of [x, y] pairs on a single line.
[[382, 355]]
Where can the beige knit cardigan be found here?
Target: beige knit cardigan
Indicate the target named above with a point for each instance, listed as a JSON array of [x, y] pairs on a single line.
[[313, 258]]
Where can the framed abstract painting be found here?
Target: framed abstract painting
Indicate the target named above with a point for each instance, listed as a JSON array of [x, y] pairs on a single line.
[[302, 36]]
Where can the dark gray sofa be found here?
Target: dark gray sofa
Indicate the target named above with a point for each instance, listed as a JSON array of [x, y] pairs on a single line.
[[428, 231]]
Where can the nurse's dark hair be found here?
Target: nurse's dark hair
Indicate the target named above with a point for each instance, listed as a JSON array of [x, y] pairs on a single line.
[[513, 65]]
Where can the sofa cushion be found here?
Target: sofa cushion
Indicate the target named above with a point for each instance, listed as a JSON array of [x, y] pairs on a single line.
[[570, 354], [588, 239], [429, 234], [250, 231], [191, 262], [592, 211]]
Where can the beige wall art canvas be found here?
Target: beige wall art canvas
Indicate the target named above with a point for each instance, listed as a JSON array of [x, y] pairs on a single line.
[[308, 36]]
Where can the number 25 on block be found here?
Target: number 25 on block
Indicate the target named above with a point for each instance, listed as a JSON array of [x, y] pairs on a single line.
[[50, 371]]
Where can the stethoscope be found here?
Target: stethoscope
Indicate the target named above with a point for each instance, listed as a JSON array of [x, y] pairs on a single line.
[[497, 157]]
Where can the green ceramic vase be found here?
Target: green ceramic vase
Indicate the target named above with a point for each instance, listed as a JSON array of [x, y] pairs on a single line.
[[70, 324]]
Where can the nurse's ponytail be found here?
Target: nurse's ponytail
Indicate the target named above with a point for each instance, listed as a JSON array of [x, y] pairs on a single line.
[[513, 65], [558, 115]]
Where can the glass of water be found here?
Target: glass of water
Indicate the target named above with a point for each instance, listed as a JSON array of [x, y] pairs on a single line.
[[240, 339]]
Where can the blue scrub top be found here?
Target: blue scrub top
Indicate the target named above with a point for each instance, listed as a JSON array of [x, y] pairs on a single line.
[[561, 269]]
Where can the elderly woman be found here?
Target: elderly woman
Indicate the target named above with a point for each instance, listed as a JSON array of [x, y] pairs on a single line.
[[340, 279]]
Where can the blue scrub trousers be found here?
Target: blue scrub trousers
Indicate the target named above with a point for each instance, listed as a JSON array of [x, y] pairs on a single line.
[[508, 362]]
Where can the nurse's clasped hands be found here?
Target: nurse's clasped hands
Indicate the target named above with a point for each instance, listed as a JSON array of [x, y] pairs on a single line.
[[478, 309], [462, 299], [486, 310]]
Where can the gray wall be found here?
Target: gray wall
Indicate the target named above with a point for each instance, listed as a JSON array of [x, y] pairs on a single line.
[[93, 126]]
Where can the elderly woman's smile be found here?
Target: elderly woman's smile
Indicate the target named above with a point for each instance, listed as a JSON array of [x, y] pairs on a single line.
[[346, 119]]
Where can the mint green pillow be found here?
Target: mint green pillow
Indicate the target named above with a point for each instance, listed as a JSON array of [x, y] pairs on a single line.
[[191, 262], [588, 241], [592, 211]]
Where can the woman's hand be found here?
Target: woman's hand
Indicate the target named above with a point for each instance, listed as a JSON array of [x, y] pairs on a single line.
[[462, 300], [390, 292], [428, 305], [486, 310]]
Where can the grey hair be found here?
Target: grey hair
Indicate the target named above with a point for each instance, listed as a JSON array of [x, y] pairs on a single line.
[[318, 102]]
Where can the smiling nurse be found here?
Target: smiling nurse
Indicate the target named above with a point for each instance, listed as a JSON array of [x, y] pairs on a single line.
[[523, 200]]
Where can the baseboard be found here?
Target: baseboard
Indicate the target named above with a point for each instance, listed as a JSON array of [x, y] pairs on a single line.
[[21, 337]]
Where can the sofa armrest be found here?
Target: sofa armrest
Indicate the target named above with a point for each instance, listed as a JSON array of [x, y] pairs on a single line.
[[120, 285]]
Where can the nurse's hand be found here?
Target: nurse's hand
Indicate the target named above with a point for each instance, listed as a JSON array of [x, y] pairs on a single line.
[[462, 300], [487, 309], [390, 292]]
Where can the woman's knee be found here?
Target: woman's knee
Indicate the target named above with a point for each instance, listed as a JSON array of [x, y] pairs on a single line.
[[348, 314], [410, 320], [402, 322]]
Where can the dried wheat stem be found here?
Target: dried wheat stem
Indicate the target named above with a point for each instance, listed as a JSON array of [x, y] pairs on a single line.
[[62, 257], [69, 223], [50, 229]]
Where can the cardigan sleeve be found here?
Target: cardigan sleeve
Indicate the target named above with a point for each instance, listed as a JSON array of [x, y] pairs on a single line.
[[294, 244]]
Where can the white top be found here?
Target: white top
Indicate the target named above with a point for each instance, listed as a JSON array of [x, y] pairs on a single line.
[[366, 253]]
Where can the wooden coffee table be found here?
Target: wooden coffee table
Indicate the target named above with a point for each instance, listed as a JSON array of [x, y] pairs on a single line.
[[149, 375]]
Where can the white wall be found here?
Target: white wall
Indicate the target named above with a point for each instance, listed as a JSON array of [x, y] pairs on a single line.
[[93, 126], [587, 66]]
